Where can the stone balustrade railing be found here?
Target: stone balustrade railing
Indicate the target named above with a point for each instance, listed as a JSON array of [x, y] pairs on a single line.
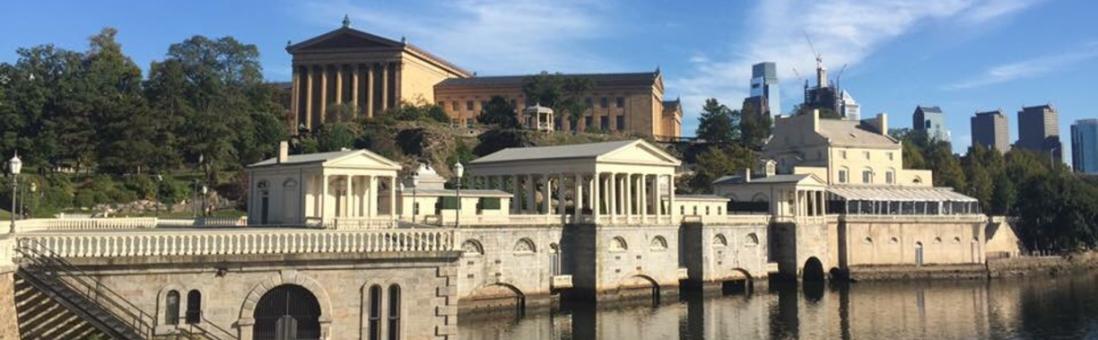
[[84, 224], [361, 223], [239, 242], [756, 219], [962, 218]]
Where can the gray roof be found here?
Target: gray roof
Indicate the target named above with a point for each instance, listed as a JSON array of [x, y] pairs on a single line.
[[736, 179], [851, 133], [590, 150], [600, 79], [307, 158], [898, 193], [929, 109]]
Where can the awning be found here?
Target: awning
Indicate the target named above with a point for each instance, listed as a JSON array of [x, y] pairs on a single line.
[[908, 194]]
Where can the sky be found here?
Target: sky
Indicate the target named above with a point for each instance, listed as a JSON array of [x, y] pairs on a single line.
[[962, 55]]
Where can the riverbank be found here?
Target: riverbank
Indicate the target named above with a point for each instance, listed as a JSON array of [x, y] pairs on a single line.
[[994, 268]]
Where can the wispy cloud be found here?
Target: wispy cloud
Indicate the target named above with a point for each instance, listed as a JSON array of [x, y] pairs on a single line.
[[1026, 68], [843, 32], [488, 36]]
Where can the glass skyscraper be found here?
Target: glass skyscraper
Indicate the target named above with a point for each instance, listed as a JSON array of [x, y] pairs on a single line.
[[1084, 146], [764, 83]]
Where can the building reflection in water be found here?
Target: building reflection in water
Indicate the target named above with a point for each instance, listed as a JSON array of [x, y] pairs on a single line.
[[1065, 307]]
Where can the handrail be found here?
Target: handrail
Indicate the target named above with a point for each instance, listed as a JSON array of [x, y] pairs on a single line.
[[201, 329], [39, 255]]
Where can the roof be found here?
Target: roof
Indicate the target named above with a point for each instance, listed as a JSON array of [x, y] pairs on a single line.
[[589, 150], [896, 193], [644, 78], [929, 109], [464, 192], [680, 198], [736, 179], [851, 133], [403, 44], [324, 157]]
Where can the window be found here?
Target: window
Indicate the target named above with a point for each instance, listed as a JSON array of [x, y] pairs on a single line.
[[682, 210], [469, 105], [454, 106], [618, 244], [868, 240], [375, 312], [483, 103], [472, 248], [524, 246], [658, 243], [751, 240], [489, 203], [867, 155], [707, 210], [719, 241], [621, 122], [394, 312], [867, 176], [194, 307], [513, 103], [842, 175], [620, 102], [587, 122], [171, 309], [890, 156], [890, 178], [843, 153], [603, 102], [589, 102], [604, 123]]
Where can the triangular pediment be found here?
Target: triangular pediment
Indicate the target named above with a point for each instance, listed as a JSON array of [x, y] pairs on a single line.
[[640, 152], [344, 38], [363, 160]]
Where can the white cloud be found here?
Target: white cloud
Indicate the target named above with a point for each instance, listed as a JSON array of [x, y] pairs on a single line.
[[843, 32], [1026, 68], [487, 36]]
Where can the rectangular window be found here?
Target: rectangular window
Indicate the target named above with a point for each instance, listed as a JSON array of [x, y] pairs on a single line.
[[449, 203], [890, 156], [867, 177], [489, 203], [483, 103], [843, 153], [867, 155], [842, 176], [454, 106], [587, 122], [589, 102], [513, 103], [603, 102], [604, 123], [621, 122], [469, 105], [620, 103], [888, 177]]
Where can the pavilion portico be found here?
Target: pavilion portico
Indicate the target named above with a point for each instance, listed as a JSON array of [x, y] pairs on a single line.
[[341, 189], [611, 182]]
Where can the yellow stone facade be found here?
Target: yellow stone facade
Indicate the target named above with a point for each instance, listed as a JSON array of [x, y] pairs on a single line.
[[347, 68]]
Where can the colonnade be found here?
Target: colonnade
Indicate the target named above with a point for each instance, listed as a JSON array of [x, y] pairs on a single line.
[[603, 194], [811, 202], [371, 87], [344, 196]]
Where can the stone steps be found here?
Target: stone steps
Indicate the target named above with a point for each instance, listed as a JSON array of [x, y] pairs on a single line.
[[40, 317]]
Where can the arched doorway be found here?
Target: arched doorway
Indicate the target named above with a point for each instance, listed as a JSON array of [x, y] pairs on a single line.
[[813, 270], [639, 288], [287, 312], [738, 283], [918, 253]]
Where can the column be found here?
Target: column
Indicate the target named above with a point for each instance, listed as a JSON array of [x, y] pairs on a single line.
[[547, 194], [577, 195], [323, 93], [396, 83], [657, 201], [370, 97], [612, 194], [345, 205], [596, 200], [384, 87], [516, 195], [295, 100], [324, 197], [561, 201], [628, 194], [309, 97], [339, 84], [671, 197], [354, 91], [371, 202], [643, 180], [531, 195], [392, 195]]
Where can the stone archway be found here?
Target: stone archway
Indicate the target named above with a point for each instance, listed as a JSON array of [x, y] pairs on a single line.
[[739, 282], [493, 299], [287, 312], [639, 287], [813, 270], [246, 322]]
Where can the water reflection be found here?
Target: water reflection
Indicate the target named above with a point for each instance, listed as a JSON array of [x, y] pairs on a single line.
[[1030, 308]]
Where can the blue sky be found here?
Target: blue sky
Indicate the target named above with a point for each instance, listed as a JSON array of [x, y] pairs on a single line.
[[963, 55]]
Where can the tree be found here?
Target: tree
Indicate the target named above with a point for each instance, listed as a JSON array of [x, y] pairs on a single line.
[[498, 112], [719, 161], [566, 95], [336, 136], [124, 130], [754, 127], [716, 124], [947, 169], [494, 140]]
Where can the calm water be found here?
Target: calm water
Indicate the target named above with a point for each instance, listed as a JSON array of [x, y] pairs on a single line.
[[1064, 307]]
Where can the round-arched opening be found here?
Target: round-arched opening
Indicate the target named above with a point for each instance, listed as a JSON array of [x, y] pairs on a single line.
[[639, 288], [287, 312], [739, 282], [493, 301], [813, 270]]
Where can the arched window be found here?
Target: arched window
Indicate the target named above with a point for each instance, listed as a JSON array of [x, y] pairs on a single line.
[[194, 307], [890, 176], [525, 246], [375, 312], [658, 243], [720, 241], [868, 240], [751, 240], [894, 240], [289, 183], [618, 244], [394, 312], [867, 176], [472, 248], [957, 240], [938, 240], [171, 308]]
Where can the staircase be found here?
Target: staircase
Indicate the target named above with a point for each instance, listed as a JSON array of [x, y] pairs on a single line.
[[56, 300]]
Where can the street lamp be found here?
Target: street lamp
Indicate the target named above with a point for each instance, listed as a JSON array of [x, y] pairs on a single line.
[[205, 200], [15, 165], [159, 182], [415, 203], [33, 191], [459, 170]]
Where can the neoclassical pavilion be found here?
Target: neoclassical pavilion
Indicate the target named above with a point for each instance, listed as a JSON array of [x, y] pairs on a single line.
[[349, 188], [611, 182]]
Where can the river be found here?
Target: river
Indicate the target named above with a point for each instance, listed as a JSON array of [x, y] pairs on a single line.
[[1063, 307]]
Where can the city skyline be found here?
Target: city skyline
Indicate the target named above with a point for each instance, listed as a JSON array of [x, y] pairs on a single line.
[[897, 55]]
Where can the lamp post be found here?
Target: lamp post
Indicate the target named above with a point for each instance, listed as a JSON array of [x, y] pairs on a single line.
[[205, 200], [194, 199], [415, 203], [33, 192], [14, 165], [459, 170]]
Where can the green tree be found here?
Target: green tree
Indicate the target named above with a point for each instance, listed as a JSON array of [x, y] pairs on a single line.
[[124, 129], [494, 140], [716, 125], [719, 161], [498, 112], [336, 136], [754, 127], [947, 169], [566, 95]]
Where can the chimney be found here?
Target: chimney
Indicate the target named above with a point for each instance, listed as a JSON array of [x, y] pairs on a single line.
[[746, 175], [815, 120], [283, 151], [881, 123]]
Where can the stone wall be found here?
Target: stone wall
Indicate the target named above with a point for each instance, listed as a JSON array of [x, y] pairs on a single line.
[[896, 240], [629, 257], [519, 259], [9, 325]]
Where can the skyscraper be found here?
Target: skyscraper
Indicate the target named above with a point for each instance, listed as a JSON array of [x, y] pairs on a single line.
[[990, 130], [764, 84], [930, 120], [1084, 146], [848, 108], [1038, 130]]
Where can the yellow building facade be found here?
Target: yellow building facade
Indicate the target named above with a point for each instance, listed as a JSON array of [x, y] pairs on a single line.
[[347, 74]]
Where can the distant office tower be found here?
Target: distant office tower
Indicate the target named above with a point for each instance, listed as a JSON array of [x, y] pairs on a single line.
[[764, 84], [990, 130], [1038, 130], [848, 108], [1084, 146], [930, 120]]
